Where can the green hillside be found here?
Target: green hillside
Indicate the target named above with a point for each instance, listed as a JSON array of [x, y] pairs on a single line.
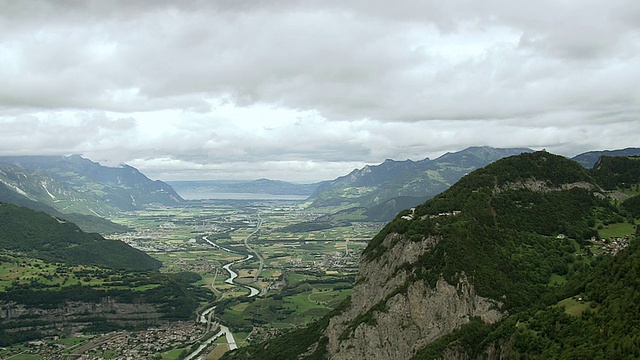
[[617, 172], [88, 223], [43, 236], [500, 230], [521, 231], [594, 316], [590, 158]]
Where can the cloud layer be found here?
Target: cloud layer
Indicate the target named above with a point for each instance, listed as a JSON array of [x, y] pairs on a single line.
[[309, 90]]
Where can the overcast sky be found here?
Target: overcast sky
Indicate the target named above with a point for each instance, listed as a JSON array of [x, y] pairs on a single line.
[[309, 90]]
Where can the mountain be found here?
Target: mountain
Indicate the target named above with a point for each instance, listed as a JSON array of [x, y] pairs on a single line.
[[412, 182], [88, 223], [590, 158], [388, 209], [617, 172], [201, 189], [497, 266], [74, 184], [40, 235]]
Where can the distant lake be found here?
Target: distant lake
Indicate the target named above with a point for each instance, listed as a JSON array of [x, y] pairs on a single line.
[[195, 195]]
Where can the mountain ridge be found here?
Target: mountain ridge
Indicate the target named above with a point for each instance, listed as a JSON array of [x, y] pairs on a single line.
[[202, 188], [480, 253], [75, 184], [46, 237], [409, 182], [590, 158]]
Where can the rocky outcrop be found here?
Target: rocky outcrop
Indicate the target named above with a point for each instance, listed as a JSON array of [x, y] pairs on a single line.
[[392, 315], [536, 185], [74, 316]]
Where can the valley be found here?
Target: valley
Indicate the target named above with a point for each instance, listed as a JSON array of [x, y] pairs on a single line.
[[197, 278], [265, 279], [262, 279]]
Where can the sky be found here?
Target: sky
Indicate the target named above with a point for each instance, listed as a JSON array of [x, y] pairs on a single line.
[[309, 90]]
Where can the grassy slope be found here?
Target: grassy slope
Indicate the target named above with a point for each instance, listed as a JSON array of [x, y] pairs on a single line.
[[42, 236]]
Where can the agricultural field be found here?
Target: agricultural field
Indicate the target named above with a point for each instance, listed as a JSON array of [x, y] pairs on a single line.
[[265, 279]]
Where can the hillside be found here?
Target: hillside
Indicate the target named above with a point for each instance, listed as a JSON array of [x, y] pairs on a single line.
[[72, 184], [56, 280], [43, 236], [412, 182], [465, 275], [617, 172], [88, 223], [590, 158]]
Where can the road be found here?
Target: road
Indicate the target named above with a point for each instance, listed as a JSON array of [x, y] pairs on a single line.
[[77, 353], [246, 244]]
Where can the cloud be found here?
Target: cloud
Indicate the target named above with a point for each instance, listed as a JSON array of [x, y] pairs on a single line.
[[329, 85]]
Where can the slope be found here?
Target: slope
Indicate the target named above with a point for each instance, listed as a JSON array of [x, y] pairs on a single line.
[[590, 158], [43, 236], [414, 181], [75, 184], [484, 250], [88, 223]]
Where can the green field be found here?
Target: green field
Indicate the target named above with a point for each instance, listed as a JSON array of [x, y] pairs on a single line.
[[617, 230], [574, 306], [304, 275]]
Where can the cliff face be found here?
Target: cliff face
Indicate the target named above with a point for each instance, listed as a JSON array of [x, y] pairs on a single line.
[[481, 251], [392, 317], [74, 316]]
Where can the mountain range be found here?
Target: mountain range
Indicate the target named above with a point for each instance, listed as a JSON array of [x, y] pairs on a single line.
[[590, 158], [79, 190], [392, 186], [499, 266]]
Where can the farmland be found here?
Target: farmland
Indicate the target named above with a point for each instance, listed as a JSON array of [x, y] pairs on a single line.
[[296, 277]]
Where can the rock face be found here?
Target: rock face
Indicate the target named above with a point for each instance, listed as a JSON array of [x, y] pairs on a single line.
[[74, 316], [392, 316]]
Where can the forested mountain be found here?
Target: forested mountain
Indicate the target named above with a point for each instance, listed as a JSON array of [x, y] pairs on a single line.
[[43, 236], [590, 158], [72, 184], [617, 172], [412, 182], [498, 266]]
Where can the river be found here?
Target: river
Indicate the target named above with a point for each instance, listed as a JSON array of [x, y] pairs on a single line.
[[205, 318], [232, 274], [207, 315]]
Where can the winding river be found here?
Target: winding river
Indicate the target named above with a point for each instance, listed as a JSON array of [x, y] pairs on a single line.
[[206, 317], [232, 274]]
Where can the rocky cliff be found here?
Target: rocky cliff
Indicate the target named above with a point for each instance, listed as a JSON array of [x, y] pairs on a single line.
[[460, 276], [76, 316], [392, 317]]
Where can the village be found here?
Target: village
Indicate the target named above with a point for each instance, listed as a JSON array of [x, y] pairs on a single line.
[[120, 345], [609, 246]]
